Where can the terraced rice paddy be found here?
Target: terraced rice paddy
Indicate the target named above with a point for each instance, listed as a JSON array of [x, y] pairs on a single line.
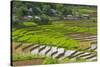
[[58, 42], [48, 33], [56, 53]]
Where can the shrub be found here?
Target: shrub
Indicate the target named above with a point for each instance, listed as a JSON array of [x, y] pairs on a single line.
[[50, 60], [42, 20]]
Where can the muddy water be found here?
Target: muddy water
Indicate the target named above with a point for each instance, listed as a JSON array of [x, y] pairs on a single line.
[[85, 39], [60, 53]]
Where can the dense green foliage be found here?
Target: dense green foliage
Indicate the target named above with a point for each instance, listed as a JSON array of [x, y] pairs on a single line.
[[28, 11]]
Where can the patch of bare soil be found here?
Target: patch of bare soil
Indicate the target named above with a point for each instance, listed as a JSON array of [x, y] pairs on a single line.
[[37, 61], [84, 38]]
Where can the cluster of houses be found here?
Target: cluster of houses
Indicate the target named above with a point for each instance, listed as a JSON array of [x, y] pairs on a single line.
[[72, 17], [67, 17]]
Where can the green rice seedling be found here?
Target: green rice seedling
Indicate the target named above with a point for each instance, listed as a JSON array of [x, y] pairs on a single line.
[[56, 34], [49, 60], [80, 60], [65, 60]]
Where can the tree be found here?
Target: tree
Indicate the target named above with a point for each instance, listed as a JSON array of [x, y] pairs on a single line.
[[41, 20], [67, 11]]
